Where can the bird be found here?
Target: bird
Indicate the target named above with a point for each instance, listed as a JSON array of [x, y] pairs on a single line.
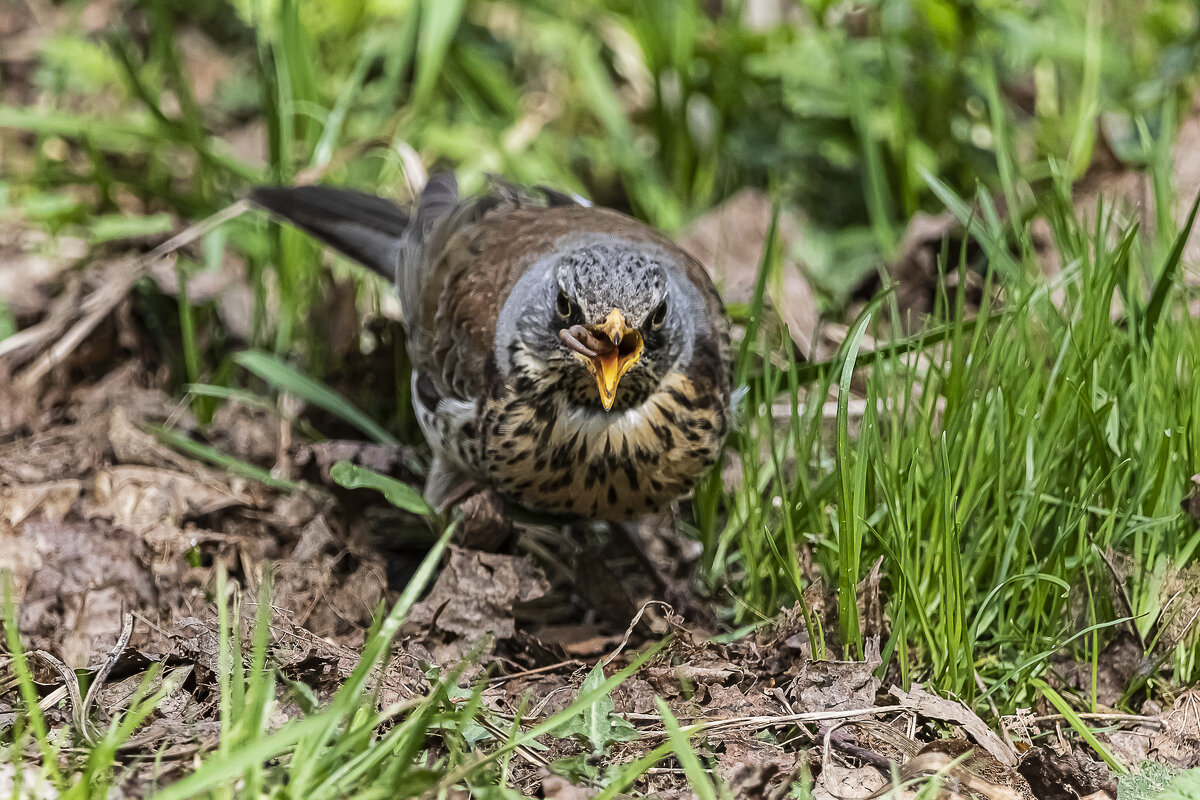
[[567, 356]]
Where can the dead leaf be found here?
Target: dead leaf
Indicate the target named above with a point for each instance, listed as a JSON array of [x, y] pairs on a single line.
[[140, 498], [556, 788], [836, 685], [132, 445], [30, 260], [1185, 180], [842, 783], [917, 268], [577, 640], [473, 598], [74, 580], [729, 241], [318, 457], [1058, 776], [958, 779], [68, 451], [52, 501], [326, 585], [932, 706]]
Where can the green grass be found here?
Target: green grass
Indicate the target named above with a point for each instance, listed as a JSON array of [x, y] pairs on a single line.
[[1004, 456], [993, 472]]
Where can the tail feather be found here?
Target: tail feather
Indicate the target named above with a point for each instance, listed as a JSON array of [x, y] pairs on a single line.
[[438, 198], [366, 228]]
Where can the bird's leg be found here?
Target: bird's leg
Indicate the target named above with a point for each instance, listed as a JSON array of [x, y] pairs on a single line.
[[631, 540], [460, 493], [484, 526]]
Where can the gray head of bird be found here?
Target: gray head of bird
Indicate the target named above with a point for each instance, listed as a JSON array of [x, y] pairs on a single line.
[[607, 319]]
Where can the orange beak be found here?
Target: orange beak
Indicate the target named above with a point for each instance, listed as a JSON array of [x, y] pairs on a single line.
[[608, 366]]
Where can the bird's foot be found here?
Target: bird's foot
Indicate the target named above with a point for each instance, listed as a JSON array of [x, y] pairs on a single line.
[[484, 524]]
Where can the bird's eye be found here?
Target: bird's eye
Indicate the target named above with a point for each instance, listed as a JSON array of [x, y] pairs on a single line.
[[659, 316], [563, 306]]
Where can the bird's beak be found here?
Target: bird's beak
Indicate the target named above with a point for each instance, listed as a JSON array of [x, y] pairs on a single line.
[[609, 364]]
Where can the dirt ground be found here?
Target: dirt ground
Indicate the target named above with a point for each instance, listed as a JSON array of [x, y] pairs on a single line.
[[114, 540]]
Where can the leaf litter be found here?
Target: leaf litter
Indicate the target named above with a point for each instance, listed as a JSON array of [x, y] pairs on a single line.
[[102, 523]]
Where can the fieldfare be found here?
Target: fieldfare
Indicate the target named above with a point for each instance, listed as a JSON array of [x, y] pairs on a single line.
[[569, 357]]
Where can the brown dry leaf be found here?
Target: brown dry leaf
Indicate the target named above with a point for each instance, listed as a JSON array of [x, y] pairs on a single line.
[[141, 498], [73, 581], [70, 451], [1057, 776], [1186, 183], [931, 706], [755, 769], [842, 783], [319, 457], [29, 261], [836, 685], [198, 642], [636, 696], [249, 434], [52, 501], [729, 241], [956, 778], [556, 788], [326, 588], [1132, 193], [136, 389], [915, 268], [132, 445], [473, 598], [577, 640]]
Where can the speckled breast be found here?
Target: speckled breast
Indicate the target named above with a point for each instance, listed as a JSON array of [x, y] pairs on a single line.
[[552, 456]]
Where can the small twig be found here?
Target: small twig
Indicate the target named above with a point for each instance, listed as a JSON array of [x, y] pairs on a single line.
[[52, 699], [499, 679], [995, 712], [521, 750], [109, 662], [71, 683], [709, 725], [100, 303], [843, 743], [629, 631], [1135, 718]]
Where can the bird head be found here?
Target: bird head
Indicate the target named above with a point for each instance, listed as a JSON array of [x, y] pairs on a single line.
[[601, 320], [618, 320]]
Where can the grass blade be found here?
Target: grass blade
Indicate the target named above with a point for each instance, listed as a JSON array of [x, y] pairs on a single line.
[[287, 379]]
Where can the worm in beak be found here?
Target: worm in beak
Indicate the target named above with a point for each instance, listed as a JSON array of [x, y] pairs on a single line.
[[608, 350]]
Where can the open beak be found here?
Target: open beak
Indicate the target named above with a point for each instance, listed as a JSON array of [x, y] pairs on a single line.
[[626, 350], [608, 350]]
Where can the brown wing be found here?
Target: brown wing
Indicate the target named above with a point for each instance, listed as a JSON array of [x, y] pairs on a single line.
[[472, 261]]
